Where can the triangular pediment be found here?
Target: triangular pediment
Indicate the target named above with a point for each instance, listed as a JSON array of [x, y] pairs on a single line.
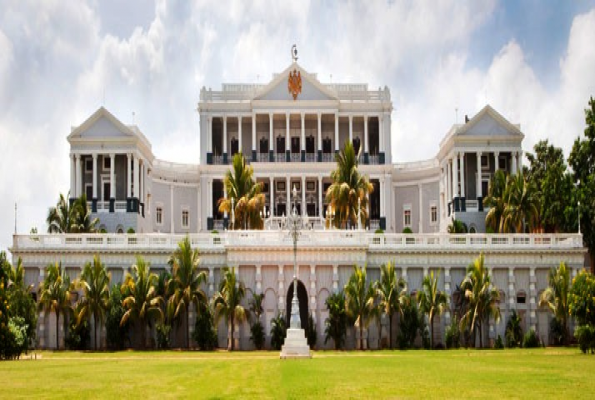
[[102, 124], [488, 122], [312, 89]]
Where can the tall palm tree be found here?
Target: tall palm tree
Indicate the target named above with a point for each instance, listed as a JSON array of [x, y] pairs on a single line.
[[256, 305], [185, 284], [227, 301], [349, 189], [248, 201], [432, 301], [555, 297], [54, 294], [142, 303], [61, 217], [95, 284], [495, 201], [521, 205], [336, 322], [359, 300], [83, 223], [482, 295], [388, 289]]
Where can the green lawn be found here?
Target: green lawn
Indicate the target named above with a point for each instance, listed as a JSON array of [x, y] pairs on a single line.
[[539, 373]]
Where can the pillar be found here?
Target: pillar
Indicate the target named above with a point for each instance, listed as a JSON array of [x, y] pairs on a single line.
[[128, 175], [336, 132], [253, 137], [112, 182], [79, 177], [303, 196], [288, 189], [496, 164], [171, 209], [421, 209], [351, 128], [281, 289], [209, 141], [455, 182], [520, 161], [381, 139], [225, 215], [382, 205], [94, 198], [72, 176], [479, 190], [335, 278], [209, 203], [287, 138], [240, 134], [462, 161], [448, 185], [271, 154], [319, 156], [225, 139], [366, 142], [272, 193], [514, 158], [320, 197], [303, 139], [532, 299]]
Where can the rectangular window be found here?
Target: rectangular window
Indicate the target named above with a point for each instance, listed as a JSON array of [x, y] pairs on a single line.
[[502, 163], [107, 163], [433, 214], [485, 162], [88, 165], [159, 215], [185, 218], [407, 215]]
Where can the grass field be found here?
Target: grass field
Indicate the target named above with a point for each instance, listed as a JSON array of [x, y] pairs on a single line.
[[538, 373]]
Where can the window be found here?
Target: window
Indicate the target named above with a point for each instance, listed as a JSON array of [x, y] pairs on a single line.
[[159, 215], [485, 162], [502, 163], [407, 215], [88, 165], [107, 162], [185, 218], [433, 213], [521, 297]]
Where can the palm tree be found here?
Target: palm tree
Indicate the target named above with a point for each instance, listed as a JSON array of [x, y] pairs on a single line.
[[248, 201], [457, 226], [359, 300], [336, 321], [432, 301], [495, 201], [54, 294], [256, 305], [482, 295], [257, 330], [389, 290], [521, 205], [143, 303], [349, 189], [185, 283], [227, 301], [95, 284], [75, 218], [555, 297]]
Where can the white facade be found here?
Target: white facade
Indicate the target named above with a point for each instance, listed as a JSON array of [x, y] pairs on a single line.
[[291, 143]]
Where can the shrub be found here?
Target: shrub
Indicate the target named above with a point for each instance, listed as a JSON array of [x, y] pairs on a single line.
[[407, 230], [557, 332], [278, 331], [585, 335], [514, 332], [311, 332], [163, 331], [499, 344], [116, 334], [205, 334], [336, 322], [379, 231], [79, 336], [17, 339], [530, 340], [410, 324], [453, 335], [257, 335], [130, 231]]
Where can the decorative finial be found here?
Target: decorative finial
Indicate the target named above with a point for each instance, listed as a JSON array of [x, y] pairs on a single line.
[[294, 53]]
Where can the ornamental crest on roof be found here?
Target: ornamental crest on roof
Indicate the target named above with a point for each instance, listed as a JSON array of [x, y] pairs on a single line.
[[294, 83]]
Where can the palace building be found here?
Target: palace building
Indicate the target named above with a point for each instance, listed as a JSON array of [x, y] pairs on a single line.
[[289, 130]]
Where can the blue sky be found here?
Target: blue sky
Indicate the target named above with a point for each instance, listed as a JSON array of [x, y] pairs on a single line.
[[533, 61]]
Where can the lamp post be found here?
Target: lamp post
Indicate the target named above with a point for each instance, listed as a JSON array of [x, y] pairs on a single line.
[[293, 223]]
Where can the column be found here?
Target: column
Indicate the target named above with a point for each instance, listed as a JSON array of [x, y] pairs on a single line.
[[288, 189], [335, 278], [280, 279], [253, 136], [171, 208], [462, 161], [72, 176], [225, 215], [313, 291], [94, 184], [79, 177], [303, 139], [128, 176], [455, 181], [382, 206], [240, 134], [272, 193], [209, 142], [271, 148], [135, 193], [320, 197], [448, 292], [351, 128], [112, 183], [287, 138], [421, 209], [336, 132], [496, 164], [224, 139], [366, 143], [319, 156], [514, 156], [209, 204], [381, 139], [479, 189], [520, 161], [303, 196], [448, 183]]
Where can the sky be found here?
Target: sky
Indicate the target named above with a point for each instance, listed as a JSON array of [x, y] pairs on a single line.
[[145, 61]]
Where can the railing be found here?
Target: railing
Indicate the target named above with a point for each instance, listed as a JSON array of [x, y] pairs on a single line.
[[374, 159], [262, 157], [310, 157], [296, 157], [103, 206], [328, 157], [217, 160], [312, 236], [471, 205], [280, 157]]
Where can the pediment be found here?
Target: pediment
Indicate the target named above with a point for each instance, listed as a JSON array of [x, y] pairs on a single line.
[[312, 89], [488, 122], [102, 124]]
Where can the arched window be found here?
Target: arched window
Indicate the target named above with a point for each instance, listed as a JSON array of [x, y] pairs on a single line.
[[521, 297]]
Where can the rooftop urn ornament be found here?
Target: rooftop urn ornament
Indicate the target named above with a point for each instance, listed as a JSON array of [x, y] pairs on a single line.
[[294, 81]]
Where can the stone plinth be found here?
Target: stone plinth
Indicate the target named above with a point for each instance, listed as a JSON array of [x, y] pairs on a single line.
[[296, 345]]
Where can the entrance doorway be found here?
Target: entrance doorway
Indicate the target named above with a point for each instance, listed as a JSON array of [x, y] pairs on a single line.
[[303, 302]]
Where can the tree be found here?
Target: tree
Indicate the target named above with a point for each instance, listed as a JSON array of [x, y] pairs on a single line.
[[389, 289], [495, 201], [514, 331], [483, 298], [359, 301], [457, 226], [521, 205], [95, 284], [411, 321], [349, 189], [248, 201], [115, 332], [257, 330], [581, 298], [227, 301], [582, 162], [54, 294], [432, 301], [336, 322], [142, 303], [555, 297], [548, 173], [75, 218], [205, 334], [185, 283], [278, 331]]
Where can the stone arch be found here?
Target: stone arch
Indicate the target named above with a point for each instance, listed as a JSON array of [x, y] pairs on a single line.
[[302, 295]]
